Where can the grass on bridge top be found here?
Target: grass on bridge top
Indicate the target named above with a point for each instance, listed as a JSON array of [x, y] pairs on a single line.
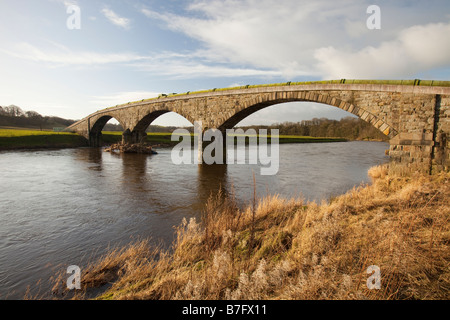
[[413, 82]]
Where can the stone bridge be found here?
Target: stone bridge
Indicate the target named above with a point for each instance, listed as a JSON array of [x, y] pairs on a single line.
[[414, 114]]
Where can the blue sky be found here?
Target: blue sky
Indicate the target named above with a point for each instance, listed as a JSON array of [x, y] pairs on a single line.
[[130, 50]]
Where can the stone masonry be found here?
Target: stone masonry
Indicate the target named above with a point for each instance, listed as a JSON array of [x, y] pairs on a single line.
[[415, 118]]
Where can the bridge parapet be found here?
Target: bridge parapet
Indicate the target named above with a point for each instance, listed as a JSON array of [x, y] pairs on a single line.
[[414, 114]]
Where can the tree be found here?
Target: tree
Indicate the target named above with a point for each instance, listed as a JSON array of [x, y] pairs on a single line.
[[14, 111], [32, 114]]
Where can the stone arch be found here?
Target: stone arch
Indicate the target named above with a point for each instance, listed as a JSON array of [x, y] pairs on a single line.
[[96, 127], [99, 123], [253, 105], [146, 120], [138, 132]]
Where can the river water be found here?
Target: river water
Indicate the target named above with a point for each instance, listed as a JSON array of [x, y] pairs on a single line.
[[64, 207]]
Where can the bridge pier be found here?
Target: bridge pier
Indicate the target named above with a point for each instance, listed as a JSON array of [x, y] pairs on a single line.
[[136, 136], [414, 115], [198, 141], [214, 143], [95, 139], [420, 151], [126, 136], [412, 149], [441, 155]]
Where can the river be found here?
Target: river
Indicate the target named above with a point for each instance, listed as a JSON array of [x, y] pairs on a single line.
[[65, 207]]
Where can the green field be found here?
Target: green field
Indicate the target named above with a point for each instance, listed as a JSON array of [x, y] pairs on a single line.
[[152, 138], [11, 138], [27, 138], [13, 132], [165, 138]]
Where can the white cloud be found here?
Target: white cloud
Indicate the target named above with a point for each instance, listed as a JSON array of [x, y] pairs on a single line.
[[265, 34], [172, 65], [322, 38], [416, 49], [116, 19], [61, 55], [122, 97], [356, 28], [67, 3], [176, 68], [273, 39]]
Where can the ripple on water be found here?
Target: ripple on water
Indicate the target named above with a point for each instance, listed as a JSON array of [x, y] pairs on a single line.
[[61, 207]]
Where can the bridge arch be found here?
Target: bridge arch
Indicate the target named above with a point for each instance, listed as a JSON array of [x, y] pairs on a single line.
[[260, 103], [145, 121], [96, 126], [100, 123], [138, 132], [412, 113]]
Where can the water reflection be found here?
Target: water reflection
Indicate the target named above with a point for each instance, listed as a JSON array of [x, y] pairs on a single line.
[[59, 206], [134, 168], [92, 156], [210, 180]]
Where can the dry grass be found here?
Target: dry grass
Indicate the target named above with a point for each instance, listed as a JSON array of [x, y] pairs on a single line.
[[288, 249]]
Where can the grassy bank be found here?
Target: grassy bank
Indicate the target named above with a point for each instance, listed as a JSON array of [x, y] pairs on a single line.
[[11, 139], [165, 138], [289, 249], [306, 139], [15, 138], [153, 138]]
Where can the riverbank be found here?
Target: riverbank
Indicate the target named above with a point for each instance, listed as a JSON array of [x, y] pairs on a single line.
[[16, 139], [290, 249], [165, 138]]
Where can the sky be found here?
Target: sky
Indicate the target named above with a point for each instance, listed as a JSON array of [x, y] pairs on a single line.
[[69, 58]]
